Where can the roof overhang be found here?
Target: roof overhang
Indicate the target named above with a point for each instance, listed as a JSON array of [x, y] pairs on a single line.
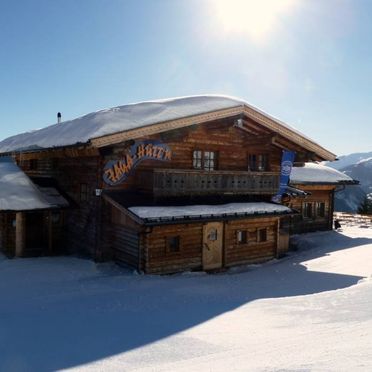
[[265, 120], [18, 193]]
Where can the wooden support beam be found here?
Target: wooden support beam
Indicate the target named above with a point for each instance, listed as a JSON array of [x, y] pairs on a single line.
[[20, 234], [50, 233]]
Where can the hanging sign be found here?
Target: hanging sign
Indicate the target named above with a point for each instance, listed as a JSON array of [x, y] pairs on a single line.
[[117, 171], [285, 172]]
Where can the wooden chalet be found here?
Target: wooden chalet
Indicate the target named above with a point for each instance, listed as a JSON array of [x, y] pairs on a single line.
[[320, 183], [162, 186]]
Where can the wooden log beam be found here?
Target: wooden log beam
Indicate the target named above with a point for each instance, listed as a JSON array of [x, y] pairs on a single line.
[[20, 234]]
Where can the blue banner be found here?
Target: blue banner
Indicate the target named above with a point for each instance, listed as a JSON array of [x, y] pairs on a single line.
[[285, 172]]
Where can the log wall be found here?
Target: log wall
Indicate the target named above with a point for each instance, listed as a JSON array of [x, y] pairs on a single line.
[[120, 238], [319, 193], [253, 251], [159, 260], [231, 144]]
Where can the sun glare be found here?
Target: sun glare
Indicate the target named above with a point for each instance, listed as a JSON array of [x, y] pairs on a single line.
[[255, 18]]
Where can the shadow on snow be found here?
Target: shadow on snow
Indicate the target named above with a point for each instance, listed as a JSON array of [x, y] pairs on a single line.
[[55, 315]]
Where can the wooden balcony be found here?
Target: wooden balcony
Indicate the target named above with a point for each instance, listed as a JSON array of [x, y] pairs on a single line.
[[187, 182]]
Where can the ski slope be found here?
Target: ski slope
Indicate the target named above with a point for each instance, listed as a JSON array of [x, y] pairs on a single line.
[[310, 311]]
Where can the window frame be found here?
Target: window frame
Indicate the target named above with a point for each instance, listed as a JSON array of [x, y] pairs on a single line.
[[169, 241], [83, 194], [242, 237], [260, 238], [206, 160], [317, 209], [33, 164], [306, 207], [258, 162]]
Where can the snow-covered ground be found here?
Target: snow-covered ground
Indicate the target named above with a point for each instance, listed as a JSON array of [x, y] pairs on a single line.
[[311, 311]]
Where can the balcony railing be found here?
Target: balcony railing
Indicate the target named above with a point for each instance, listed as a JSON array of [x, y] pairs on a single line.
[[186, 182]]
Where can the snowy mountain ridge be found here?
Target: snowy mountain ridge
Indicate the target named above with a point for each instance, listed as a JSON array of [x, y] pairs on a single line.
[[359, 167], [351, 159]]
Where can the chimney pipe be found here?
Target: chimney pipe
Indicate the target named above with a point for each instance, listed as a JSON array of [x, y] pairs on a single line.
[[59, 117]]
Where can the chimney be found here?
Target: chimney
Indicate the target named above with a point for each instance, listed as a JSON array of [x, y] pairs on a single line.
[[59, 117]]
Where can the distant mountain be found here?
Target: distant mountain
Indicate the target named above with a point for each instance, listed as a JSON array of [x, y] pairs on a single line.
[[359, 167], [351, 159]]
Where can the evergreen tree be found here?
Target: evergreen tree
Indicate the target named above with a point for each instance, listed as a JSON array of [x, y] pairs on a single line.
[[366, 206]]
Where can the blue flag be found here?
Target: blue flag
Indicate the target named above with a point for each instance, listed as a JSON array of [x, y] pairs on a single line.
[[285, 172]]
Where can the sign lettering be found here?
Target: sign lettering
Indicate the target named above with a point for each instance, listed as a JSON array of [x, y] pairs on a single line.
[[117, 171]]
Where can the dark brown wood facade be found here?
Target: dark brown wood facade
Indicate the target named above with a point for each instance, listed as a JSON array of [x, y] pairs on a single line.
[[316, 210], [246, 163]]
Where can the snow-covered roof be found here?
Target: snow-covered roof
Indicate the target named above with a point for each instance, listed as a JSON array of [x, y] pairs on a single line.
[[134, 116], [117, 119], [319, 174], [17, 191], [207, 211], [52, 196]]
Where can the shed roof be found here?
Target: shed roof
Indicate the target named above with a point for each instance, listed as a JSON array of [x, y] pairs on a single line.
[[313, 173], [96, 126], [197, 212], [17, 191]]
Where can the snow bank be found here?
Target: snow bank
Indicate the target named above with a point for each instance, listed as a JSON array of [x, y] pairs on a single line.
[[317, 173], [208, 210]]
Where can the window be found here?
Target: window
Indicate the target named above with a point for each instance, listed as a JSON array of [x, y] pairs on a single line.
[[173, 244], [212, 235], [83, 192], [209, 160], [241, 237], [307, 210], [206, 160], [56, 217], [258, 162], [261, 235], [320, 209], [33, 164], [197, 159]]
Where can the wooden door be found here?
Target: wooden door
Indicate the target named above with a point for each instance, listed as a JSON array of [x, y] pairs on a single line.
[[212, 245]]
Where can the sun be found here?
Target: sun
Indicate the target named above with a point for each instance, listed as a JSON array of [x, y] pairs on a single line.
[[254, 18]]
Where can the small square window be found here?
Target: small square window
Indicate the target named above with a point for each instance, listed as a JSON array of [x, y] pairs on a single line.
[[241, 237], [173, 244], [261, 235]]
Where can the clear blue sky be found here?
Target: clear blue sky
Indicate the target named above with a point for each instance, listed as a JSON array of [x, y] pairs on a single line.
[[308, 62]]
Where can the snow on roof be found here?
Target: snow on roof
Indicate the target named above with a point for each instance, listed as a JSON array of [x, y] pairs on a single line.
[[317, 173], [52, 196], [125, 118], [200, 211], [117, 119], [17, 191]]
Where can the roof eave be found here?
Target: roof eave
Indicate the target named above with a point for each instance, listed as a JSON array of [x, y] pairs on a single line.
[[210, 218]]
